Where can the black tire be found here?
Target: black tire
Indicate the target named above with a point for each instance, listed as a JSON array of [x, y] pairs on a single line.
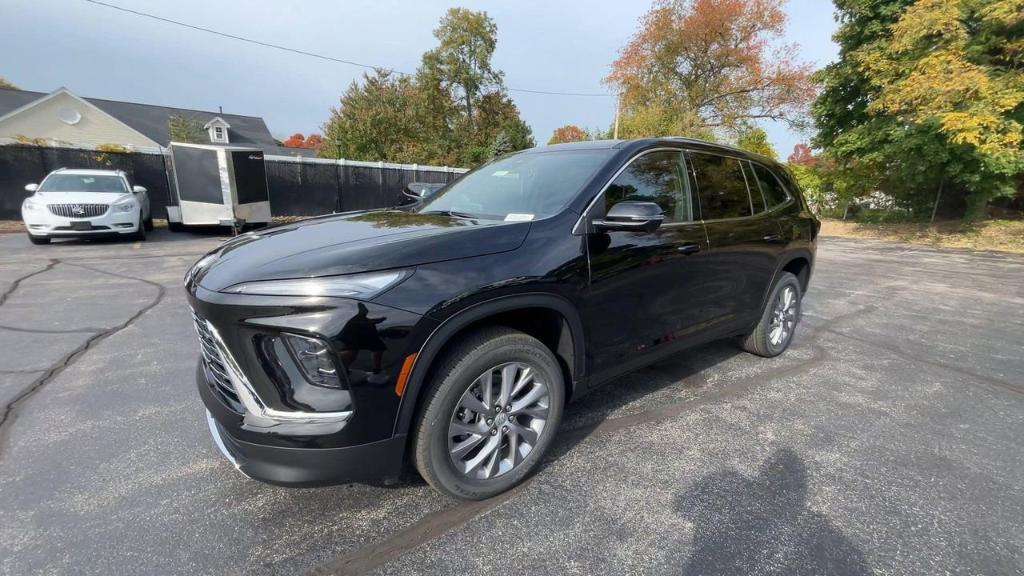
[[38, 239], [459, 368], [175, 226], [759, 341], [140, 234], [149, 223]]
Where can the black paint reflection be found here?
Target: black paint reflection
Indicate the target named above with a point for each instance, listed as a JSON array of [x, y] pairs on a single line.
[[360, 333]]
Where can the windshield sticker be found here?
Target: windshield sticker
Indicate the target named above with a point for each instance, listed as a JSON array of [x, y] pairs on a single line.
[[518, 217]]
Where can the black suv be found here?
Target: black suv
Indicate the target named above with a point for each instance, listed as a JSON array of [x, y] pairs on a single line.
[[450, 334]]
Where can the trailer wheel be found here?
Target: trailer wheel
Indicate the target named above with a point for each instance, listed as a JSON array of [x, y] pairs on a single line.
[[175, 226]]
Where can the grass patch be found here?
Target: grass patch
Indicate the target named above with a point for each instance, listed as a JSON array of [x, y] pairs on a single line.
[[997, 235]]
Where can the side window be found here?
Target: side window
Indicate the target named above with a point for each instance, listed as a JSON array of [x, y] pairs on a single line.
[[653, 177], [756, 197], [720, 186], [774, 192]]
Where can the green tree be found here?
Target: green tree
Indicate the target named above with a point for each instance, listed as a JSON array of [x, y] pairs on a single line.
[[5, 84], [755, 139], [462, 60], [189, 130], [451, 113], [378, 119], [883, 122]]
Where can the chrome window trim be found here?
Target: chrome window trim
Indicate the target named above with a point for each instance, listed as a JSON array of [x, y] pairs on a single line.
[[262, 418], [789, 193], [578, 231]]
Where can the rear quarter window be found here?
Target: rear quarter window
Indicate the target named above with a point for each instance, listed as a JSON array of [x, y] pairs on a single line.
[[721, 186], [775, 193]]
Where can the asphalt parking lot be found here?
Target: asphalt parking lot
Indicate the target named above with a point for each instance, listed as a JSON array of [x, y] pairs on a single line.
[[886, 441]]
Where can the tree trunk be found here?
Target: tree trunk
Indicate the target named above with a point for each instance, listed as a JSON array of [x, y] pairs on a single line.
[[938, 196]]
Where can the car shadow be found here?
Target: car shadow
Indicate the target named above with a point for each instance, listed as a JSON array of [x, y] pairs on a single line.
[[586, 415], [762, 524]]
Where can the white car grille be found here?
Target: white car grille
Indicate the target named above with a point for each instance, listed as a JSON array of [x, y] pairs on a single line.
[[78, 210]]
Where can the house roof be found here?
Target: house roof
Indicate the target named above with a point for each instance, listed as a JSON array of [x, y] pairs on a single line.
[[151, 120]]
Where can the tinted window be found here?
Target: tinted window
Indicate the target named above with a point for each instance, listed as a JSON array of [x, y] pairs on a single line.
[[653, 177], [530, 186], [756, 198], [774, 193], [720, 184], [83, 183]]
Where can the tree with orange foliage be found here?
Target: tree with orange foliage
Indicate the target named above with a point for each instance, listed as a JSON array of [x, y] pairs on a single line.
[[709, 67], [567, 133], [297, 140], [803, 156]]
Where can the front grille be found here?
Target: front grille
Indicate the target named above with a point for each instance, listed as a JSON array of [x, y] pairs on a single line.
[[78, 210], [216, 367]]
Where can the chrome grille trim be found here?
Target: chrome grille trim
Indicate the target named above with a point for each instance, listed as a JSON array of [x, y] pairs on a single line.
[[257, 415], [214, 362], [78, 210]]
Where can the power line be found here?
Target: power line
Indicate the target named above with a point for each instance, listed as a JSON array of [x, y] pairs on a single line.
[[313, 54]]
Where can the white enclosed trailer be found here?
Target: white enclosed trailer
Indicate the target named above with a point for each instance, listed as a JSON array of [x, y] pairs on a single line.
[[217, 186]]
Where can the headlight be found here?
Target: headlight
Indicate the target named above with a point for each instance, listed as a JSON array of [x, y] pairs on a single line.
[[362, 286], [126, 207], [28, 205]]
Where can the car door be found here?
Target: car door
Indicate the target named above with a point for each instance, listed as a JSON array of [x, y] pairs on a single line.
[[744, 239], [642, 283]]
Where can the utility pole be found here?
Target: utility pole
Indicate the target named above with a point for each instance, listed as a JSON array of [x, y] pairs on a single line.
[[618, 104]]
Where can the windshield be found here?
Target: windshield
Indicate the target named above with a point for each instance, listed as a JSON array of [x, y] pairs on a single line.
[[83, 183], [521, 187]]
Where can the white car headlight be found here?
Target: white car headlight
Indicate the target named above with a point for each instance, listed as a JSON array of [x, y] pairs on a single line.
[[360, 286], [28, 205], [126, 207]]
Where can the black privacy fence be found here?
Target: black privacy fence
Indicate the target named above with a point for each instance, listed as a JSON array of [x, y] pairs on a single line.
[[298, 186]]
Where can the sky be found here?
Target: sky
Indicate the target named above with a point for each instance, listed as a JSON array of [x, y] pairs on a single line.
[[564, 46]]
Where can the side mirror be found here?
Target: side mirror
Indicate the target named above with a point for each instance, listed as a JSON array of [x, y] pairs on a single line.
[[138, 189], [415, 190], [632, 217], [31, 187]]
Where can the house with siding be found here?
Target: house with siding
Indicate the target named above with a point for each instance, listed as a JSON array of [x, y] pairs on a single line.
[[62, 118]]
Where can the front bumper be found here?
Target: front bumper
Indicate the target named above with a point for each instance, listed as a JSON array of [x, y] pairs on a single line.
[[42, 223], [302, 466], [278, 429]]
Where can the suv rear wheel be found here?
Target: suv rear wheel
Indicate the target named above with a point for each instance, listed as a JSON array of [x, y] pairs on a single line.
[[491, 415], [774, 331]]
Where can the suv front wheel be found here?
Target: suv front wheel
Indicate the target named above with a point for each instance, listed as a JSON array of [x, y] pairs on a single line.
[[781, 314], [491, 415]]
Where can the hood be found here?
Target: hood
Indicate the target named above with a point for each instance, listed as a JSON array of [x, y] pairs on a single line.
[[356, 242], [79, 197]]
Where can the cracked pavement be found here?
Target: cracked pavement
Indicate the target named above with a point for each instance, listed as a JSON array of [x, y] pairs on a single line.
[[886, 440]]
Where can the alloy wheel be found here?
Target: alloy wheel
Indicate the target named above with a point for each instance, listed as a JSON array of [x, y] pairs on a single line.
[[498, 421], [783, 318]]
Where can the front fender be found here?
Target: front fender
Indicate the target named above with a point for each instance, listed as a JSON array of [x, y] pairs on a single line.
[[457, 321]]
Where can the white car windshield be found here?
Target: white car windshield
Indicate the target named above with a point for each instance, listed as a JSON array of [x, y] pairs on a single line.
[[521, 187], [83, 183]]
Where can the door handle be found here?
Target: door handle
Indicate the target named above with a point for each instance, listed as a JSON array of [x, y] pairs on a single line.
[[689, 249], [771, 238]]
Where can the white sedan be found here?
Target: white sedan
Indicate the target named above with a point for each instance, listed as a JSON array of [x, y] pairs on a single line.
[[85, 204]]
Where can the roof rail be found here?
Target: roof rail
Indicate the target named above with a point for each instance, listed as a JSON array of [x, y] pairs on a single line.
[[719, 144]]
